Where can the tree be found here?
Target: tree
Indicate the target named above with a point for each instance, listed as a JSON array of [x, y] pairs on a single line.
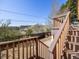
[[6, 33], [29, 32], [63, 7], [70, 5]]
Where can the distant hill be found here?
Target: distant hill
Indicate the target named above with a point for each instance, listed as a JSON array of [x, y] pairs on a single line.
[[35, 28], [25, 26]]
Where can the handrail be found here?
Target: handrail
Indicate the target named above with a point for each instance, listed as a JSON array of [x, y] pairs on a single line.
[[10, 48], [56, 28], [14, 41], [43, 43], [59, 33], [59, 16]]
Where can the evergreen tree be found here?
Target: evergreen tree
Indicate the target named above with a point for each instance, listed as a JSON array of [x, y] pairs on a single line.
[[70, 5]]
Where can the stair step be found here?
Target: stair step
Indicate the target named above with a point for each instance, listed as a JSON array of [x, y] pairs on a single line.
[[72, 39]]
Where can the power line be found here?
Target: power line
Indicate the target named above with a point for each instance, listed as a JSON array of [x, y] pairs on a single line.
[[24, 14], [24, 21]]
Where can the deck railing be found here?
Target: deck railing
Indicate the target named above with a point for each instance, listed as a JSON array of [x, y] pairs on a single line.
[[58, 43], [33, 48], [28, 48]]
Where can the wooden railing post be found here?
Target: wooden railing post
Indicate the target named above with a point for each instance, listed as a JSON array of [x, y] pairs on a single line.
[[36, 40], [53, 53], [7, 57], [0, 52]]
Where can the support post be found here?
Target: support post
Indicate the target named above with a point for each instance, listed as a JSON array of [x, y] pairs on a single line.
[[36, 40]]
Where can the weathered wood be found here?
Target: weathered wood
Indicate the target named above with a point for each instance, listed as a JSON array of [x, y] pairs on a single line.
[[30, 48], [22, 50], [60, 37], [18, 50], [36, 48], [27, 50], [13, 50], [7, 51], [0, 52]]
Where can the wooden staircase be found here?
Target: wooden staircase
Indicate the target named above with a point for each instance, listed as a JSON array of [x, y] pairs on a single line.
[[71, 44], [65, 44]]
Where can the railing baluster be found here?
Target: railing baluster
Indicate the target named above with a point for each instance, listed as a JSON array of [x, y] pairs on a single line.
[[39, 47], [30, 48], [36, 40], [45, 52], [13, 50], [0, 52], [18, 51], [41, 50], [26, 49], [33, 47], [7, 52], [22, 50]]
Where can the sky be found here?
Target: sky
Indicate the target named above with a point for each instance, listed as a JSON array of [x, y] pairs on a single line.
[[27, 12]]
